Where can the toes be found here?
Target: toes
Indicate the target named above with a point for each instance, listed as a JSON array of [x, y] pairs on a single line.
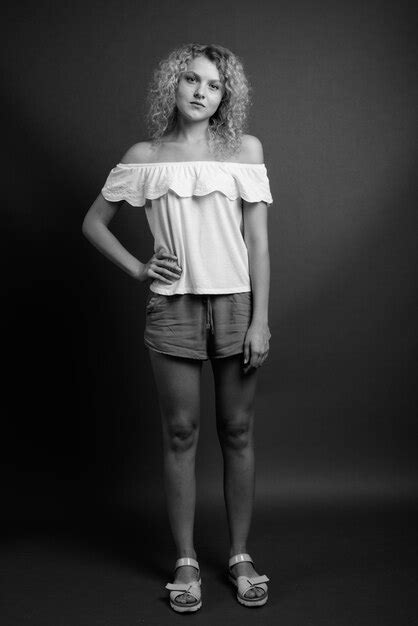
[[185, 598], [256, 592]]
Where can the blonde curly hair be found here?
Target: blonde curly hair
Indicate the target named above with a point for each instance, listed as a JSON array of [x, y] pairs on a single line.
[[228, 123]]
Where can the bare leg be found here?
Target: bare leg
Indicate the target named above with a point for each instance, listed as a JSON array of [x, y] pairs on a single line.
[[178, 385], [235, 396]]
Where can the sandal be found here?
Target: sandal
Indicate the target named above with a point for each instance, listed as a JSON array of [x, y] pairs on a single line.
[[245, 583], [178, 589]]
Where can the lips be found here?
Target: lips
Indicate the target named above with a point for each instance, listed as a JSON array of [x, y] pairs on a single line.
[[199, 103]]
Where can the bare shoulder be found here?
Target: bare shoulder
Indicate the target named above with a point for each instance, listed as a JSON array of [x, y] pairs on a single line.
[[251, 150], [141, 152]]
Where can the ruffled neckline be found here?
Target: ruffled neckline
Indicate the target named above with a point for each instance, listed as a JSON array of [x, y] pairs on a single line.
[[188, 163], [136, 182]]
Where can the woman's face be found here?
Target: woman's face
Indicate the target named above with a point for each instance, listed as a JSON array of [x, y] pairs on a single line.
[[200, 83]]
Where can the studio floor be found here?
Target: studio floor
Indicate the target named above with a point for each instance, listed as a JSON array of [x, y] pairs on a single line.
[[328, 566]]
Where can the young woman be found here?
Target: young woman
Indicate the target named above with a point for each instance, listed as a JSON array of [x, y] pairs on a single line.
[[205, 190]]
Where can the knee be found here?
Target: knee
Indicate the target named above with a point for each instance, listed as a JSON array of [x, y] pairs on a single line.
[[236, 433], [182, 435]]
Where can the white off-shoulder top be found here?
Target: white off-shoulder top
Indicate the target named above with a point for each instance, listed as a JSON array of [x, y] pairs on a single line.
[[194, 210]]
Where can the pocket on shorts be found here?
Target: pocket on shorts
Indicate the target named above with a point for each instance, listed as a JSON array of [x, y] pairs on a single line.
[[153, 300], [242, 297], [242, 306], [239, 296]]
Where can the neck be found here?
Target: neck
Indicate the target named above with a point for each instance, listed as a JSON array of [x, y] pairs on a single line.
[[191, 132]]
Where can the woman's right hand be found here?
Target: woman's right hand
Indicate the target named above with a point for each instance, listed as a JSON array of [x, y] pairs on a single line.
[[161, 266]]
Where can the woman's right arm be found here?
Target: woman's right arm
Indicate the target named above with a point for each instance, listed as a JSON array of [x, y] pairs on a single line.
[[95, 229]]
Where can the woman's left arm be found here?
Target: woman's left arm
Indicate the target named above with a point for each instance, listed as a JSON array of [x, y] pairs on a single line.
[[256, 344]]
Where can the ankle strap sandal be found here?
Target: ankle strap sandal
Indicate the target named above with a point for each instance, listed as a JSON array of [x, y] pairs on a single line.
[[193, 588], [245, 583]]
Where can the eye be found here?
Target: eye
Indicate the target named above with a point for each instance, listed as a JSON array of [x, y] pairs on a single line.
[[190, 78], [215, 86]]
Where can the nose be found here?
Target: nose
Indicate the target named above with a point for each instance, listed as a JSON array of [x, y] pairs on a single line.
[[197, 94]]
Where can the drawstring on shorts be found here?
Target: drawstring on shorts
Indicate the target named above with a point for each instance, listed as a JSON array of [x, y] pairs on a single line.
[[209, 316]]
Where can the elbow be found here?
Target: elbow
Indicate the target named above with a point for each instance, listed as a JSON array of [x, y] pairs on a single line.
[[258, 252], [86, 227], [257, 245]]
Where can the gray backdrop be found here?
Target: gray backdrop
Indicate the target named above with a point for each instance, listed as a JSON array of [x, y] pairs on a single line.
[[334, 103]]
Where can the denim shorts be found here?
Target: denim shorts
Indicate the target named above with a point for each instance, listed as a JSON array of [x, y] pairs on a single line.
[[197, 326]]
